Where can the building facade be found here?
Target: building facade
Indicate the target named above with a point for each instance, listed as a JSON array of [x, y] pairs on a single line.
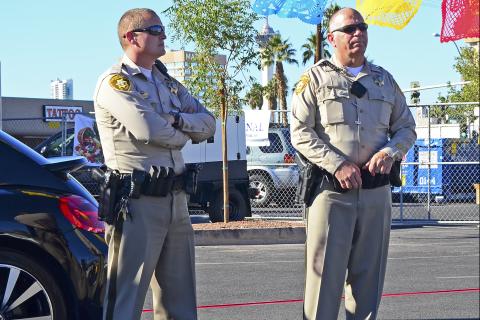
[[61, 89], [32, 120], [179, 62]]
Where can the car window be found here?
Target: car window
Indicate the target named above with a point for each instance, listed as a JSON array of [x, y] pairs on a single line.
[[54, 148], [275, 144]]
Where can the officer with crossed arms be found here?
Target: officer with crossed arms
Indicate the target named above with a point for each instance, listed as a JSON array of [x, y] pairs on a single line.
[[144, 118]]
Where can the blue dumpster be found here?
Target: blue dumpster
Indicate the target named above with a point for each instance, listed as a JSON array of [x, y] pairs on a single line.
[[448, 182]]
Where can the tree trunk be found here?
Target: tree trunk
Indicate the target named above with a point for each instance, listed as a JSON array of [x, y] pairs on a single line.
[[223, 112], [281, 93]]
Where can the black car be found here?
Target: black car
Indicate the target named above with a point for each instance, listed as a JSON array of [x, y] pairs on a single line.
[[52, 250]]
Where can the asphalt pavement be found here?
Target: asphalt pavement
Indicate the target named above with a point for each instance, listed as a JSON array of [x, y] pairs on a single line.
[[432, 273]]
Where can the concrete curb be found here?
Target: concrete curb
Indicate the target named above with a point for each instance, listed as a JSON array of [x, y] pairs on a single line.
[[264, 236], [249, 236]]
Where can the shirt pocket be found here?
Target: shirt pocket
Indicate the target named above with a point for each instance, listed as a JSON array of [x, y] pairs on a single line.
[[382, 104], [332, 105]]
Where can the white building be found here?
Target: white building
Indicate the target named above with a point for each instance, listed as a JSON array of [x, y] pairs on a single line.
[[178, 63], [62, 89], [262, 39]]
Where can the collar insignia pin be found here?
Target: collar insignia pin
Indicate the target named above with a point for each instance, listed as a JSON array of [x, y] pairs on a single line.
[[379, 81], [173, 88]]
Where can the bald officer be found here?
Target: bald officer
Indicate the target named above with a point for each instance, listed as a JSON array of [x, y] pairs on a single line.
[[351, 119], [144, 118]]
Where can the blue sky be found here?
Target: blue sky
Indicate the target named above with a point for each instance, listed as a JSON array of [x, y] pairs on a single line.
[[45, 40]]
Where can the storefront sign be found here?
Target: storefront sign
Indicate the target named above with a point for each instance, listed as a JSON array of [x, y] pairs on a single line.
[[53, 113]]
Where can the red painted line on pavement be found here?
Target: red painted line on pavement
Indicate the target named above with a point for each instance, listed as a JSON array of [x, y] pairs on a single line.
[[400, 294], [230, 305], [386, 295]]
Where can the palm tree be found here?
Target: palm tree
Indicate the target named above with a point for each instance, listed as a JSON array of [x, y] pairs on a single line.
[[310, 47], [277, 52], [254, 97], [322, 30], [270, 92]]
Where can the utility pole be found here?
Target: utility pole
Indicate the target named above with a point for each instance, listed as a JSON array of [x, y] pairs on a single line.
[[318, 49]]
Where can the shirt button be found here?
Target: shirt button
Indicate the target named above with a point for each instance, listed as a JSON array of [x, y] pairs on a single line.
[[363, 146]]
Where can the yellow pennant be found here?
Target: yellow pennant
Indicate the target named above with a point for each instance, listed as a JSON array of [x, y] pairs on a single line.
[[388, 13], [302, 83], [120, 82]]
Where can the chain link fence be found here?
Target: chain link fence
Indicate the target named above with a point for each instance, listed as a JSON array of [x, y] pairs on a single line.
[[440, 176], [35, 132]]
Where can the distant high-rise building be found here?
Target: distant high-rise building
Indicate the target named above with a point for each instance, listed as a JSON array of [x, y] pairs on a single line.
[[263, 37], [178, 63], [62, 89]]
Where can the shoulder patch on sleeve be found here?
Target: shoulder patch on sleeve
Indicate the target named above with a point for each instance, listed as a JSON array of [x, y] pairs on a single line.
[[120, 82], [302, 83]]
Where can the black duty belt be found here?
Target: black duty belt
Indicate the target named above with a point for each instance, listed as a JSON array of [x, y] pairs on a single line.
[[372, 182], [368, 181], [151, 183]]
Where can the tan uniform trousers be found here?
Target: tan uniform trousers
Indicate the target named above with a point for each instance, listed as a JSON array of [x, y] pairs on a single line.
[[156, 247], [346, 232]]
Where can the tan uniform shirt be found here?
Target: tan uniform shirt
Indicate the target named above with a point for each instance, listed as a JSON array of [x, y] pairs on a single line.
[[131, 114], [331, 125]]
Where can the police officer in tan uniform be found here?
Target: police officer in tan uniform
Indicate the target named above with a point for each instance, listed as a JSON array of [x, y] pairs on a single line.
[[351, 119], [144, 118]]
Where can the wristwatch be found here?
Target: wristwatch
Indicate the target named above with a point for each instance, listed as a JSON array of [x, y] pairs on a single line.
[[176, 118]]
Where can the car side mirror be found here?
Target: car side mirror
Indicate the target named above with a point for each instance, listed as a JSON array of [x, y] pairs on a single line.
[[43, 150]]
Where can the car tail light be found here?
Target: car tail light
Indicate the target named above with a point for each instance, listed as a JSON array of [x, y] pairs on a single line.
[[81, 213], [288, 158]]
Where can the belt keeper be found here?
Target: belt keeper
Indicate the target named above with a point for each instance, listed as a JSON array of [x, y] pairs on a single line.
[[150, 189], [168, 182], [160, 183]]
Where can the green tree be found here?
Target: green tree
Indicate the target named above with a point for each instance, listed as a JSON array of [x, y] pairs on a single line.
[[310, 46], [277, 52], [467, 64], [217, 27], [254, 96], [270, 92]]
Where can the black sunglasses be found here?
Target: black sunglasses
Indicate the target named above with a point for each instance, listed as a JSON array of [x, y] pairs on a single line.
[[154, 30], [351, 28]]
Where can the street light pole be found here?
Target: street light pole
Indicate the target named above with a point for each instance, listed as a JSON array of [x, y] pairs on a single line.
[[458, 50]]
